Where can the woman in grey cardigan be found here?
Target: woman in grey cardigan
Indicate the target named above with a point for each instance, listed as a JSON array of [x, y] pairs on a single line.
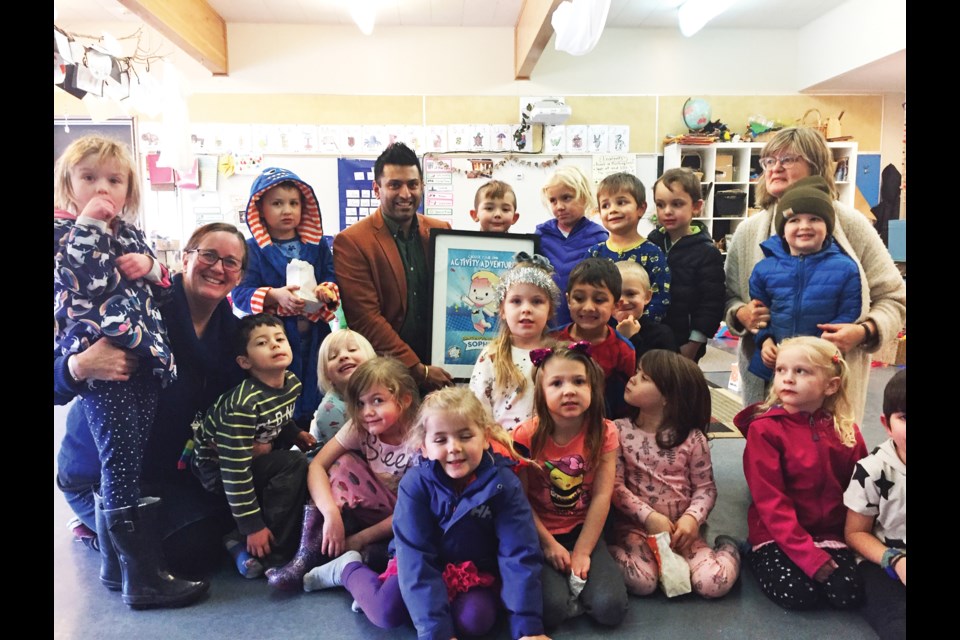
[[793, 154]]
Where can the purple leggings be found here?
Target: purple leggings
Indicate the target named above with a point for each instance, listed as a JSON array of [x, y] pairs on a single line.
[[474, 612]]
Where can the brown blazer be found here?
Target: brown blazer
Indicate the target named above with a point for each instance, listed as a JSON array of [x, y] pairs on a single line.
[[372, 284]]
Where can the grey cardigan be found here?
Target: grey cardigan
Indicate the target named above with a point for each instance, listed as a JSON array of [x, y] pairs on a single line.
[[884, 293]]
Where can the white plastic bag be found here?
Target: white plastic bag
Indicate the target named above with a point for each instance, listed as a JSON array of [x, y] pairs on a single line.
[[674, 570], [300, 273], [578, 25]]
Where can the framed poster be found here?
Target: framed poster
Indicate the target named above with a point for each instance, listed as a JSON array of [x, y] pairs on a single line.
[[466, 269]]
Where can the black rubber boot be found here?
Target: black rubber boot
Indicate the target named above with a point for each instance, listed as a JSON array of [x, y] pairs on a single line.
[[146, 581], [290, 576], [110, 574]]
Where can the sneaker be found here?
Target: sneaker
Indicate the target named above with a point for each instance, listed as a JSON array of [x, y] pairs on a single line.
[[83, 533]]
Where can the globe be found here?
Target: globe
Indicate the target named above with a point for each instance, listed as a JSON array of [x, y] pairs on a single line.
[[696, 113]]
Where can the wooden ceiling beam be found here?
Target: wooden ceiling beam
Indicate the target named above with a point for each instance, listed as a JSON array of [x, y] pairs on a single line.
[[531, 35], [191, 25]]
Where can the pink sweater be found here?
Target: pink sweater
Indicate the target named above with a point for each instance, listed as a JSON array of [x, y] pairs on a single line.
[[672, 482]]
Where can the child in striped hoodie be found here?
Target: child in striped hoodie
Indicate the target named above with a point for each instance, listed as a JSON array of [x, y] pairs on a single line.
[[284, 217]]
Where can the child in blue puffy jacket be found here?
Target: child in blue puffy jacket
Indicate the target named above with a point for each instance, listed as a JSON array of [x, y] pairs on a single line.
[[805, 279]]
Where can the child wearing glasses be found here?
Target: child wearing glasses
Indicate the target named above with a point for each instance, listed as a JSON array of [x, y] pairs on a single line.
[[805, 279], [284, 217]]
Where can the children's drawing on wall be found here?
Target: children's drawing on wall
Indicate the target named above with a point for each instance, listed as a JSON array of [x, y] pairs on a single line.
[[599, 138], [471, 303]]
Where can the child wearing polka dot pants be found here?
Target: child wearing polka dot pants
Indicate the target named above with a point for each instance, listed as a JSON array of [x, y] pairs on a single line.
[[801, 449]]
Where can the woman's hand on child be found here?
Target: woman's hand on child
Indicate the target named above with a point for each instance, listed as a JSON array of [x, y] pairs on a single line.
[[133, 266], [753, 316], [258, 543], [685, 532], [305, 441], [629, 326], [100, 208], [844, 336], [287, 299], [657, 522], [557, 556], [103, 361], [768, 352], [824, 572], [333, 536], [580, 564]]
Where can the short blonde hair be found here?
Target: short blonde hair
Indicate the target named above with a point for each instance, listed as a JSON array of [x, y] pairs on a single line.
[[104, 149], [633, 268], [458, 401], [331, 344], [572, 178], [806, 142], [826, 358]]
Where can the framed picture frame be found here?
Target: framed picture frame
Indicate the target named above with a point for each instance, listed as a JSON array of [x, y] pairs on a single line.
[[467, 266]]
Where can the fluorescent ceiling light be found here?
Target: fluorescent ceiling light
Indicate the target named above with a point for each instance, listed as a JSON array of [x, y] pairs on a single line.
[[694, 14], [364, 13]]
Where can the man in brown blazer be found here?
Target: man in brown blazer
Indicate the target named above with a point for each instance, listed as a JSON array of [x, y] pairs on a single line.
[[384, 268]]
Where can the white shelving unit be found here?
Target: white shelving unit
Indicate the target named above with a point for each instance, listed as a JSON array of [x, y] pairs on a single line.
[[733, 168]]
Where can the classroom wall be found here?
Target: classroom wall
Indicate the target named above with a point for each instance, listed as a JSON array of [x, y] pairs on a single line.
[[639, 77], [856, 33]]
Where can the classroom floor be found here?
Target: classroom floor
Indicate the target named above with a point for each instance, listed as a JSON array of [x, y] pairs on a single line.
[[238, 608]]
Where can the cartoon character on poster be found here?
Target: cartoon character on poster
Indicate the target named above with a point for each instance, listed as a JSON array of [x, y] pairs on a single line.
[[471, 304], [482, 299]]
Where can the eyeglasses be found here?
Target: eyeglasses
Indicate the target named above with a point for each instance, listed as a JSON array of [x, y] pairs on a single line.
[[769, 162], [210, 257]]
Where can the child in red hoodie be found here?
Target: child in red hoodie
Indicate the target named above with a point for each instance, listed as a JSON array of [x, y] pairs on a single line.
[[801, 448]]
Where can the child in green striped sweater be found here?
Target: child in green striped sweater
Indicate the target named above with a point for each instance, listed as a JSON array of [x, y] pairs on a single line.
[[243, 449]]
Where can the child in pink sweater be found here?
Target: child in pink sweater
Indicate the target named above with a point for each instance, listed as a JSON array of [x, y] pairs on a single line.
[[664, 478]]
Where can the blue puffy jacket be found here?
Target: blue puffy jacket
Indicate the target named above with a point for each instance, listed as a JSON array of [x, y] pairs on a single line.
[[802, 292], [489, 523]]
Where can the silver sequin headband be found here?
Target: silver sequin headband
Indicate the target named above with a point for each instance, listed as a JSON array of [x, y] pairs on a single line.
[[535, 270]]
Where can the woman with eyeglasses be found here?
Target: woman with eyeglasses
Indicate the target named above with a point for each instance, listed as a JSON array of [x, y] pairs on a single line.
[[793, 154], [201, 330]]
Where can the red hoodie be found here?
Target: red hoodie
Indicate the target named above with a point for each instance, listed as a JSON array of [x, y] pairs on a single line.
[[797, 470]]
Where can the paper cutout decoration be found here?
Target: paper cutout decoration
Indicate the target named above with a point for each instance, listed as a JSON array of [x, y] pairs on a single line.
[[189, 179], [158, 175]]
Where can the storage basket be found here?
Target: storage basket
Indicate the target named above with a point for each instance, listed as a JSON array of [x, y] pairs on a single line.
[[729, 202], [819, 125]]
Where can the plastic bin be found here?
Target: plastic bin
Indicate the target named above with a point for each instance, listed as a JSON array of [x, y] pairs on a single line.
[[729, 202]]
